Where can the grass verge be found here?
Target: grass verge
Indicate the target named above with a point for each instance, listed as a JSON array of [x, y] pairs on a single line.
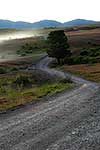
[[19, 89]]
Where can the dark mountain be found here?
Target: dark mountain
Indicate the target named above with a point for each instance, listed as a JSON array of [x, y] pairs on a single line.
[[78, 22], [43, 24], [20, 24], [17, 25], [46, 24]]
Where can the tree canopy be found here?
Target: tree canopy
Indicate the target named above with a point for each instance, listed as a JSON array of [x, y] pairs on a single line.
[[58, 45]]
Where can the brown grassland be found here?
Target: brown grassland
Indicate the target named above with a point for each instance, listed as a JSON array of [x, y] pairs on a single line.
[[90, 72], [81, 39]]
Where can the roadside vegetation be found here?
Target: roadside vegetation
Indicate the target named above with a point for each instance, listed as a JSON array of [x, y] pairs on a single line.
[[20, 88]]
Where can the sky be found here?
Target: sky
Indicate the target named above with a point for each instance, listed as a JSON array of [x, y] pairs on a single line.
[[60, 10]]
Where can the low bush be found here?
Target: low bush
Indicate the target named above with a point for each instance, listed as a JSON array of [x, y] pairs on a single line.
[[22, 80]]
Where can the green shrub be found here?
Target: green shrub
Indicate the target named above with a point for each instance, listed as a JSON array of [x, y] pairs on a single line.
[[22, 80], [73, 60], [91, 52]]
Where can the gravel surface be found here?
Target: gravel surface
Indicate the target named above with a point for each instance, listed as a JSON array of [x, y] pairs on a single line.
[[67, 121]]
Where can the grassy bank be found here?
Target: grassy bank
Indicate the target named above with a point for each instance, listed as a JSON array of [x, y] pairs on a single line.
[[20, 88]]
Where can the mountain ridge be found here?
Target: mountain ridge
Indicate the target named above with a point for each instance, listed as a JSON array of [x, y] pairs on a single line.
[[44, 23]]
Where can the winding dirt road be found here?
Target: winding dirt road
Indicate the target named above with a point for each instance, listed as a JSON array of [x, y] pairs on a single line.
[[67, 121]]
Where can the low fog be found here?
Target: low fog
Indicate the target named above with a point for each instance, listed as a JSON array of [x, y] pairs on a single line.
[[17, 35]]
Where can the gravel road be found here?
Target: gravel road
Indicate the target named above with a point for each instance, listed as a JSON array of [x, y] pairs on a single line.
[[67, 121]]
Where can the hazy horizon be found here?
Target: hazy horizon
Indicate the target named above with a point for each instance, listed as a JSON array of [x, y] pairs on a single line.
[[48, 19], [61, 11]]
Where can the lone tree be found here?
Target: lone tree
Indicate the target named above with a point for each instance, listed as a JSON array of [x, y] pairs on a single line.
[[58, 45]]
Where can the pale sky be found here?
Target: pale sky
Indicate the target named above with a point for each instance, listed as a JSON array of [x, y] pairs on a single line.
[[60, 10]]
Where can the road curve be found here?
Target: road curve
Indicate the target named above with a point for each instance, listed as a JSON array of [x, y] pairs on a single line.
[[67, 121]]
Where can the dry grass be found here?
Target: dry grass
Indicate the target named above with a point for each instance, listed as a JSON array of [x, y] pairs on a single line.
[[90, 72], [79, 39]]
